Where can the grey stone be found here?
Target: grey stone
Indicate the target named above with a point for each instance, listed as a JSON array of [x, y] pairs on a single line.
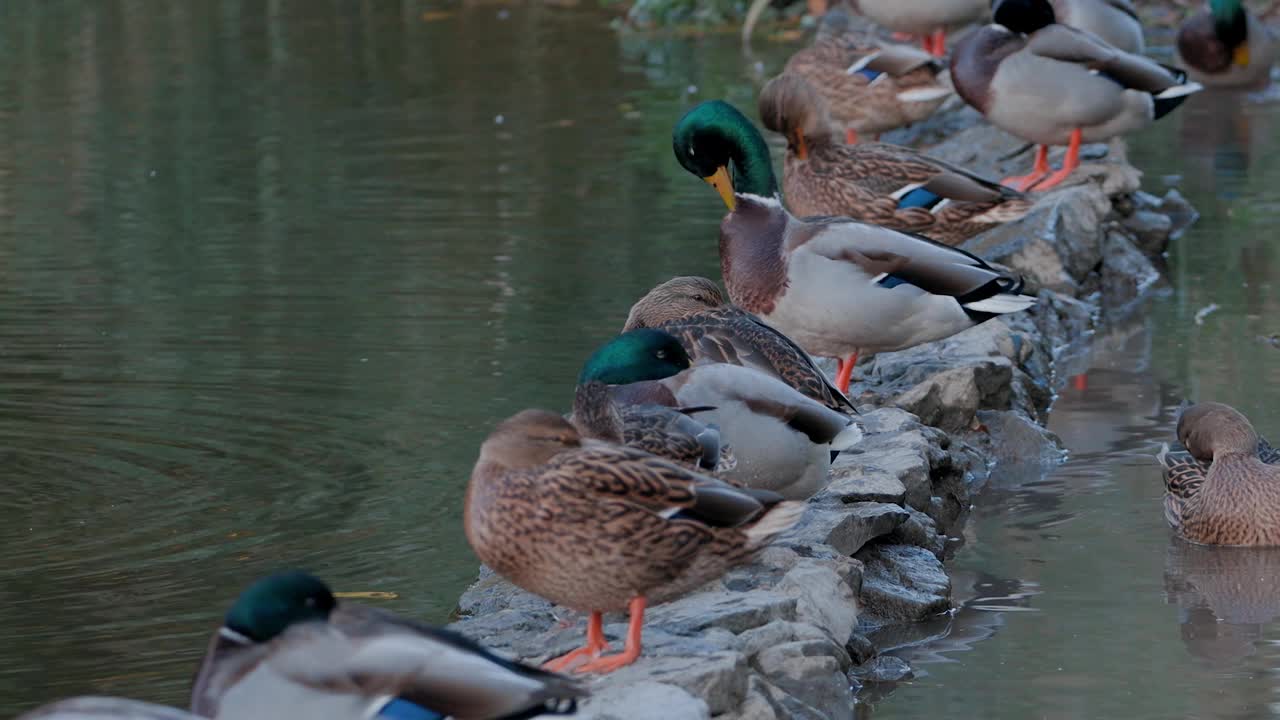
[[887, 420], [764, 701], [643, 700], [823, 598], [848, 527], [885, 668], [808, 670], [1179, 211], [919, 530], [1150, 230], [732, 611], [905, 456], [776, 633], [903, 583], [1019, 448], [1127, 274], [860, 648], [852, 482], [718, 679], [950, 399]]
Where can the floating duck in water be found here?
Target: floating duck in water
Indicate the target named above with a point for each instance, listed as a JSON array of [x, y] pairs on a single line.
[[1055, 85], [712, 330], [1227, 47], [599, 527], [289, 649], [782, 440], [879, 183], [837, 287], [1225, 488], [870, 86]]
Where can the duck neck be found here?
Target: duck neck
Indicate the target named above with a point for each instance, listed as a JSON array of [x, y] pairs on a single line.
[[751, 252], [752, 166], [1229, 22]]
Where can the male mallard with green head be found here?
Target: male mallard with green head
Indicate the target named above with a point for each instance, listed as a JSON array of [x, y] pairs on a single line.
[[1227, 46], [288, 649], [600, 527], [712, 330], [1055, 85], [879, 183], [836, 286], [1225, 489]]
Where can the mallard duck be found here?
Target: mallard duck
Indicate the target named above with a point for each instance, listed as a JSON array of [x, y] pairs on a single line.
[[1227, 47], [836, 286], [712, 330], [288, 649], [928, 19], [94, 707], [671, 433], [870, 86], [1222, 490], [879, 183], [1115, 21], [600, 527], [1055, 85], [782, 440]]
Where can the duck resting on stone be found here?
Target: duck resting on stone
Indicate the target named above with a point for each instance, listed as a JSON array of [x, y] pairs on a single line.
[[600, 527], [712, 330], [782, 440], [879, 183], [836, 286], [289, 649], [1055, 85], [1224, 489]]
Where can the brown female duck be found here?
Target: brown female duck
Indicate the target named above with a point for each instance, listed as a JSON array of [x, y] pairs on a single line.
[[879, 183], [599, 527], [712, 330], [1222, 490]]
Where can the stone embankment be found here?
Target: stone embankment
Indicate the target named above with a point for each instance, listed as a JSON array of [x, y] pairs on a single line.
[[786, 637]]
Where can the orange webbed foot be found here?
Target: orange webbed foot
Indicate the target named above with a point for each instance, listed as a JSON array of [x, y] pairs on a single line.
[[596, 644], [609, 663]]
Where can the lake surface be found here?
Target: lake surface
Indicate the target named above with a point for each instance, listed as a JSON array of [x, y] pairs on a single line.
[[270, 270]]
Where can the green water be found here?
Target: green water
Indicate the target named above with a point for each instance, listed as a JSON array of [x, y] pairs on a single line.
[[269, 271]]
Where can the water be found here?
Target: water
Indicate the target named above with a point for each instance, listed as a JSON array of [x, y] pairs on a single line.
[[270, 270]]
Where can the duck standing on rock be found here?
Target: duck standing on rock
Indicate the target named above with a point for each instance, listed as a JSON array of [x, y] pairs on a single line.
[[1227, 47], [928, 19], [1056, 85], [879, 183], [599, 527], [712, 330], [1225, 489], [288, 649], [836, 286], [782, 440]]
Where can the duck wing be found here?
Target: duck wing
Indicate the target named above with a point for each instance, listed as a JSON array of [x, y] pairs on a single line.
[[1136, 72]]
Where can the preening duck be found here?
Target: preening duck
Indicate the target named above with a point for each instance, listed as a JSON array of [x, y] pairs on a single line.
[[1227, 47]]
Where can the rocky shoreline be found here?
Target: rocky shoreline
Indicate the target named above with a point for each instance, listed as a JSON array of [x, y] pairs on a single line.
[[787, 636]]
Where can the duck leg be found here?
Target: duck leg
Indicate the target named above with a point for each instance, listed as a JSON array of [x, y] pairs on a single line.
[[596, 644], [850, 136], [631, 651], [844, 372], [937, 45], [1069, 164], [1038, 171]]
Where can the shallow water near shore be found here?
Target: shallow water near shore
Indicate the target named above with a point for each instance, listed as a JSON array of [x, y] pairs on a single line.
[[269, 272]]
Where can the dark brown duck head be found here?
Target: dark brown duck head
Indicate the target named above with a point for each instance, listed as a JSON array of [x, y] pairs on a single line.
[[1209, 430], [1213, 41], [527, 439], [791, 107], [673, 300]]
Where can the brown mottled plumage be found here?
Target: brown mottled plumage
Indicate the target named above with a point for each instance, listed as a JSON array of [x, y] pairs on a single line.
[[1221, 490], [714, 331], [659, 430], [823, 176], [597, 527], [907, 86]]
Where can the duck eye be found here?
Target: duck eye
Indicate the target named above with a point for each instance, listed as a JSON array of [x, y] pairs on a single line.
[[661, 354], [310, 602]]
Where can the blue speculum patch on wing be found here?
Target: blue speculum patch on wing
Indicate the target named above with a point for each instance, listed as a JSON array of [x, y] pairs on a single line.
[[891, 281], [920, 198], [398, 709], [870, 74]]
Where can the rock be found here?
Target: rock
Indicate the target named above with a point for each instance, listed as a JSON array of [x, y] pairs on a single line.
[[1179, 211], [1019, 447], [764, 701], [718, 679], [860, 649], [847, 528], [882, 669], [644, 700], [491, 593], [851, 483], [1150, 230], [919, 530], [1127, 274], [732, 611], [950, 399], [903, 583], [808, 669], [887, 420], [823, 598], [776, 633], [903, 455]]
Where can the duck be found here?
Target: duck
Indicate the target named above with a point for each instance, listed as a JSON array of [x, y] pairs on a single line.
[[1227, 47], [879, 183], [870, 86], [1114, 21], [1224, 489], [671, 433], [929, 20], [782, 440], [1055, 85], [712, 330], [601, 527], [97, 707], [836, 286], [287, 648]]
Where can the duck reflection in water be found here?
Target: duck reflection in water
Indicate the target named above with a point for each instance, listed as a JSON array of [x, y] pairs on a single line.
[[1225, 596]]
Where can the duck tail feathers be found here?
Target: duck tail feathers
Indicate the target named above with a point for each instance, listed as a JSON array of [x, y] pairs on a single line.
[[850, 436], [1000, 304], [1170, 98]]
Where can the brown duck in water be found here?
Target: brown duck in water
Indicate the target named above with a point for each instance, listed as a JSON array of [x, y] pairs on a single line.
[[1224, 489], [599, 527], [712, 330], [879, 183]]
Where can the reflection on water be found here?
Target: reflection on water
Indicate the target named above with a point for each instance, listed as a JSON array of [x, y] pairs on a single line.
[[1225, 597]]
